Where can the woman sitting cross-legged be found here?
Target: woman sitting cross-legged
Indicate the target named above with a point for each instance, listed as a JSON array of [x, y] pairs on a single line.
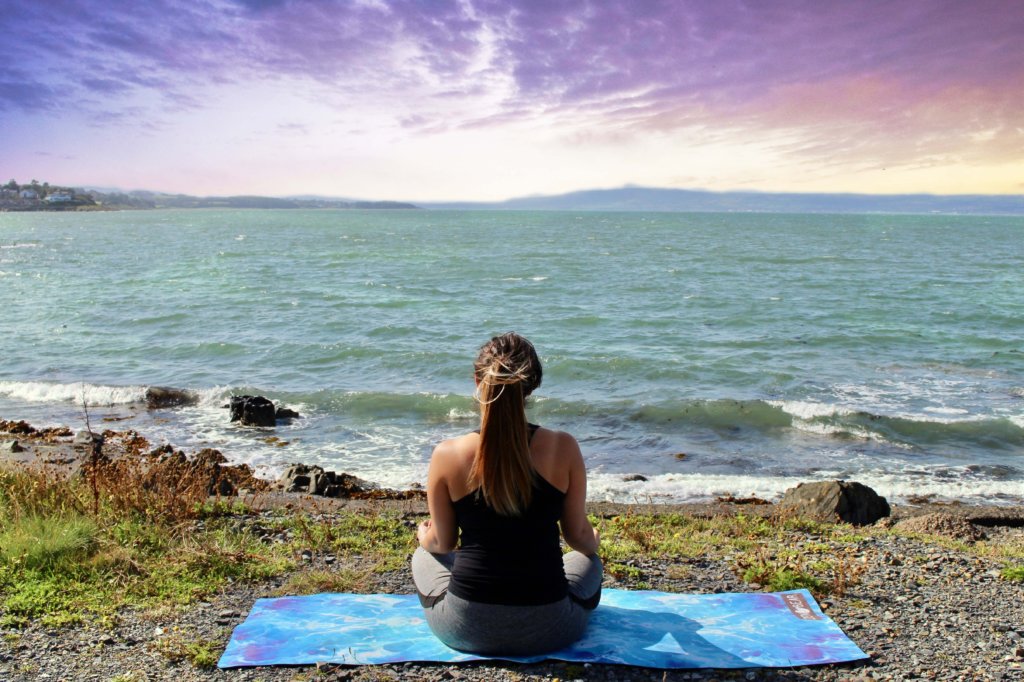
[[501, 495]]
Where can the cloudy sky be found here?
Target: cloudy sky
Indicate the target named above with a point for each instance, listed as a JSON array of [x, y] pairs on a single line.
[[490, 99]]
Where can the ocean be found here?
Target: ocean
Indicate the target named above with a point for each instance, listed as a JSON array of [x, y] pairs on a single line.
[[692, 355]]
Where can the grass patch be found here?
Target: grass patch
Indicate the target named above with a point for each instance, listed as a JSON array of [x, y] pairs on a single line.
[[314, 582], [623, 571], [68, 556], [778, 579], [1013, 573], [761, 549], [201, 653], [72, 552], [48, 543]]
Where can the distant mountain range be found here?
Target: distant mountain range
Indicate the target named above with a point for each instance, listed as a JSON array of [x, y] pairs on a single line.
[[622, 199], [687, 200], [160, 200]]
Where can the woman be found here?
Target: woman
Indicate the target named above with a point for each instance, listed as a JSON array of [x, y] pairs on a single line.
[[501, 494]]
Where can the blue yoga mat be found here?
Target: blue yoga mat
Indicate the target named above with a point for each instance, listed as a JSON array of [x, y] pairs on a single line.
[[650, 629]]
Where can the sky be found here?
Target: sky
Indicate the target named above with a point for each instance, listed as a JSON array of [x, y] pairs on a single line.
[[483, 100]]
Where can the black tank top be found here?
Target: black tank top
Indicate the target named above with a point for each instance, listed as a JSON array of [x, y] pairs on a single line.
[[513, 560]]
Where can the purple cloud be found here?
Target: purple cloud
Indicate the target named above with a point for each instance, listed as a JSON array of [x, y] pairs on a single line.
[[830, 68], [27, 95], [560, 53]]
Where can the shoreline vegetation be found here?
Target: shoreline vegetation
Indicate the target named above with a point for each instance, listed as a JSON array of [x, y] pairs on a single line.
[[124, 561], [36, 196]]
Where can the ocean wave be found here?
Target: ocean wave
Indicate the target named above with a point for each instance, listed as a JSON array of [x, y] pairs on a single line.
[[92, 394], [680, 488], [822, 419], [723, 417]]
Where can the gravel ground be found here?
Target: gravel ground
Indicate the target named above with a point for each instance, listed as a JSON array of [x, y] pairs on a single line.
[[920, 611]]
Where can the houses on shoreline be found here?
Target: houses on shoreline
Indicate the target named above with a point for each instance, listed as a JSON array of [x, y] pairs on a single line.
[[44, 197]]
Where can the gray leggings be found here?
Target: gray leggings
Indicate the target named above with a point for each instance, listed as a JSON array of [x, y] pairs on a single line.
[[497, 629]]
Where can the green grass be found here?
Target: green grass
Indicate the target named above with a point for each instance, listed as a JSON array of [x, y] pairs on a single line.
[[48, 543], [201, 653], [778, 579], [1013, 573], [63, 562], [760, 548], [68, 556]]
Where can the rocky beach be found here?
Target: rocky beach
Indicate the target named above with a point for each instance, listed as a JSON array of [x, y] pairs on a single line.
[[933, 591]]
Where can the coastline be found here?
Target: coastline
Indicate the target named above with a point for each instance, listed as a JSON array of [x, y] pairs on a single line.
[[928, 604]]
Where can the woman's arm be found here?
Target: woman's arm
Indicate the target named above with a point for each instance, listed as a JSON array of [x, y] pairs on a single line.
[[438, 534], [576, 528]]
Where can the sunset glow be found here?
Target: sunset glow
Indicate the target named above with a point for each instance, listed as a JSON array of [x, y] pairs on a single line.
[[487, 99]]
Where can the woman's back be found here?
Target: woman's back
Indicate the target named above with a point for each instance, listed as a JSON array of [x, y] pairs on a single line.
[[514, 560], [499, 498]]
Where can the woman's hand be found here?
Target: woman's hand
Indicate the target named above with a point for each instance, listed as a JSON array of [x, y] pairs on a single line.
[[423, 532]]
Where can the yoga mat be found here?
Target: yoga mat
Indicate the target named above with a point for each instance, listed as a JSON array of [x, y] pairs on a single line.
[[641, 628]]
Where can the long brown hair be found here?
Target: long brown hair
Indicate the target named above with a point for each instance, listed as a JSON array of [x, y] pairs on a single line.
[[507, 370]]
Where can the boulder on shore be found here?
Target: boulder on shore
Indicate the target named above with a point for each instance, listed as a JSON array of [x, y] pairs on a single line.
[[160, 396], [314, 480], [252, 410], [831, 501], [255, 410]]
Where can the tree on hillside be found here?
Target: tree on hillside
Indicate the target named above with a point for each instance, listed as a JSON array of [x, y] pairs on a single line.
[[11, 185]]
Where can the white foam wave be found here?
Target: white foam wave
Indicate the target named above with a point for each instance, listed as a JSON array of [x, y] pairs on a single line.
[[809, 410], [682, 488], [94, 395], [846, 430], [20, 246]]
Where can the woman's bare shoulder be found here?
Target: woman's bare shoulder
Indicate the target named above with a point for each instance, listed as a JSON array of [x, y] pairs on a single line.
[[559, 440], [457, 448]]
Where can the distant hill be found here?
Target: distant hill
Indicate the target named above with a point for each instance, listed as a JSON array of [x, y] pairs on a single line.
[[685, 200], [158, 200]]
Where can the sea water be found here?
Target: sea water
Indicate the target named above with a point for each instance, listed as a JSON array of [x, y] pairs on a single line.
[[692, 355]]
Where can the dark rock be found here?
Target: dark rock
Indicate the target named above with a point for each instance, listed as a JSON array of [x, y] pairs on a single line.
[[314, 480], [22, 428], [634, 477], [252, 410], [285, 414], [160, 396], [831, 501], [303, 478], [88, 439], [11, 446]]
